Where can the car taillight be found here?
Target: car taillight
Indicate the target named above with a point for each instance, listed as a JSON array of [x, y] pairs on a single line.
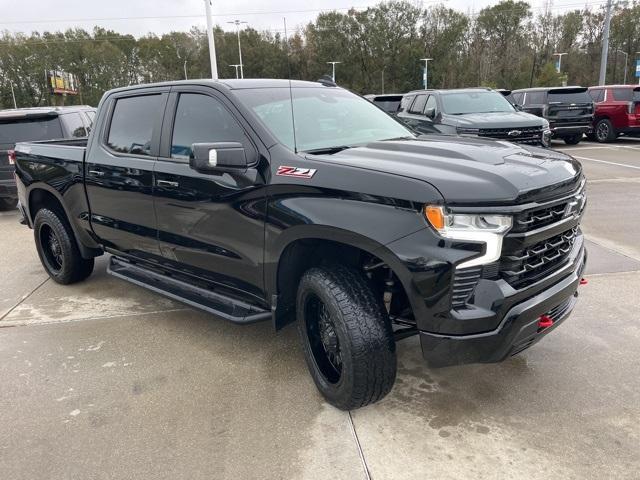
[[631, 108], [12, 157]]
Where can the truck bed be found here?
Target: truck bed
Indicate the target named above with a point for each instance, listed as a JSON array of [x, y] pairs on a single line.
[[68, 149]]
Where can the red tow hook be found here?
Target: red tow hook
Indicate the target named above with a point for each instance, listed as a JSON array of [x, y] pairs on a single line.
[[545, 321], [583, 281]]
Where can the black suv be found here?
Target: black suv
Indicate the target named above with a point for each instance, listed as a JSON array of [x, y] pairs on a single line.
[[32, 124], [569, 110], [472, 111], [389, 102]]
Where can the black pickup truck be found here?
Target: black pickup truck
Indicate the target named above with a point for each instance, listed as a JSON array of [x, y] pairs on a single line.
[[270, 200]]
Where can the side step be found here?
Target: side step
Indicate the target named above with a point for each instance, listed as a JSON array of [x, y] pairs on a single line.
[[228, 308]]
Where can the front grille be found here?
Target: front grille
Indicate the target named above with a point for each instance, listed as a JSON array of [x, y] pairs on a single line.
[[529, 135], [523, 267], [538, 218]]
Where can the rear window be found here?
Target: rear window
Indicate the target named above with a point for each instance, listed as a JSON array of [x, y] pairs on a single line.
[[30, 130], [569, 97], [626, 95], [132, 124], [390, 105]]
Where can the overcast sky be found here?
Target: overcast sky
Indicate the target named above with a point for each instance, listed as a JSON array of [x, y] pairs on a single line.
[[136, 16]]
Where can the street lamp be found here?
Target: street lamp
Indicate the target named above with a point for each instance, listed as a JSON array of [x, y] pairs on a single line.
[[559, 55], [425, 77], [333, 74], [237, 23], [626, 63], [236, 65], [212, 43]]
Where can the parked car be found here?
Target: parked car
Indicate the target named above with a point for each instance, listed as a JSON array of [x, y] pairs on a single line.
[[389, 102], [354, 227], [42, 123], [569, 110], [472, 111], [617, 112]]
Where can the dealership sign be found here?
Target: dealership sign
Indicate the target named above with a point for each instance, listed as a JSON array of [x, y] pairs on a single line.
[[62, 83]]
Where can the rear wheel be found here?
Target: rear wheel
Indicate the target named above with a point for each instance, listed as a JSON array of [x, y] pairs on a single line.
[[58, 249], [573, 139], [8, 203], [346, 335], [604, 131]]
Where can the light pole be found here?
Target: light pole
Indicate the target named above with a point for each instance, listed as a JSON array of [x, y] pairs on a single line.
[[382, 78], [333, 66], [236, 65], [425, 76], [212, 43], [13, 94], [626, 63], [237, 23], [559, 55], [605, 45]]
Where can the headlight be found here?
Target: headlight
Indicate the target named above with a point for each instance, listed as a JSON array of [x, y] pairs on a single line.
[[489, 229], [467, 131]]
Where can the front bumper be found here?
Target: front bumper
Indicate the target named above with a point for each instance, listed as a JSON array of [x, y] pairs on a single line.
[[517, 331]]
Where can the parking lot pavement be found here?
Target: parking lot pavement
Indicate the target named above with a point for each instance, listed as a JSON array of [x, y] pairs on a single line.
[[106, 380]]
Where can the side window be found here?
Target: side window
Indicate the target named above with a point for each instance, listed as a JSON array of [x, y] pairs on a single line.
[[406, 101], [622, 94], [431, 103], [518, 97], [132, 123], [202, 119], [73, 125], [597, 94], [418, 105]]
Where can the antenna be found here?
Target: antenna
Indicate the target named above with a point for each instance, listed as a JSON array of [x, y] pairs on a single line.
[[293, 119]]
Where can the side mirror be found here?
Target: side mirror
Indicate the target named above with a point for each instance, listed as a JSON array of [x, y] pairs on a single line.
[[215, 156], [430, 113]]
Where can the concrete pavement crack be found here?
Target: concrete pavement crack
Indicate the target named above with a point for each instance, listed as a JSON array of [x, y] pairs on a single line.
[[367, 475], [23, 299]]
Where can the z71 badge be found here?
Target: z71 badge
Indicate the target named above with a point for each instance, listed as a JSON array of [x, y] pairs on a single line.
[[296, 172]]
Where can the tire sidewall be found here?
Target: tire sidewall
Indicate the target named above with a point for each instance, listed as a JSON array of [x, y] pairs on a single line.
[[335, 392], [51, 220], [608, 126]]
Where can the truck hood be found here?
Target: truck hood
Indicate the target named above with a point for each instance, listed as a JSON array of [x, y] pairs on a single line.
[[468, 170], [494, 120]]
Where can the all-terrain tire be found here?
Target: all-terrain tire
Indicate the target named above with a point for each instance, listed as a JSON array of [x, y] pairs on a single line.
[[58, 250], [362, 328], [604, 131]]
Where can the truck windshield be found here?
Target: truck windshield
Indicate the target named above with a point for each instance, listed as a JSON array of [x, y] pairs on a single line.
[[30, 130], [325, 117], [460, 103]]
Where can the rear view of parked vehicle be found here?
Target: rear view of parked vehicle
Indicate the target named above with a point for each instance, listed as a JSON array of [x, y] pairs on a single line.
[[569, 110], [617, 112], [389, 102], [478, 112], [34, 124]]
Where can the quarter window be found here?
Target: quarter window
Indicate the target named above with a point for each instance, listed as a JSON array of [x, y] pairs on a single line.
[[418, 105], [622, 94], [132, 124], [597, 94], [202, 119], [431, 102], [534, 98], [74, 125]]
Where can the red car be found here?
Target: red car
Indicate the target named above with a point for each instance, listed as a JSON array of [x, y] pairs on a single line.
[[617, 112]]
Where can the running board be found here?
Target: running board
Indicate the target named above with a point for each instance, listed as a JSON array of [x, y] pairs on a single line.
[[228, 308]]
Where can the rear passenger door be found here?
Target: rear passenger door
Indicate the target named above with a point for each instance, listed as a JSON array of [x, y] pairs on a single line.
[[119, 171], [210, 225]]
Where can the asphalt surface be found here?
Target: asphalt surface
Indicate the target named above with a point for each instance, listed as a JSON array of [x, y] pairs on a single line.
[[107, 380]]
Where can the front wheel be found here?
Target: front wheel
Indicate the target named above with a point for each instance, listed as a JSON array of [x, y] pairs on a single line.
[[58, 249], [346, 336], [573, 139]]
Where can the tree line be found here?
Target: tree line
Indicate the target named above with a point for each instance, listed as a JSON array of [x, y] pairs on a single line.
[[507, 45]]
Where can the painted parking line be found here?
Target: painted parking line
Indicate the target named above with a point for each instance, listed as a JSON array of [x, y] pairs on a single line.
[[607, 162]]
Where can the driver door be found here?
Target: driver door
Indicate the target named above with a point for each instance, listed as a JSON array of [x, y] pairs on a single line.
[[210, 225]]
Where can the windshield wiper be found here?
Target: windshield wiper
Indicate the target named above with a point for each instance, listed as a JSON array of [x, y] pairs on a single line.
[[326, 150]]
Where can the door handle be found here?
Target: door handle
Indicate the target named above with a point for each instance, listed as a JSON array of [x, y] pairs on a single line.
[[99, 173], [166, 183]]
